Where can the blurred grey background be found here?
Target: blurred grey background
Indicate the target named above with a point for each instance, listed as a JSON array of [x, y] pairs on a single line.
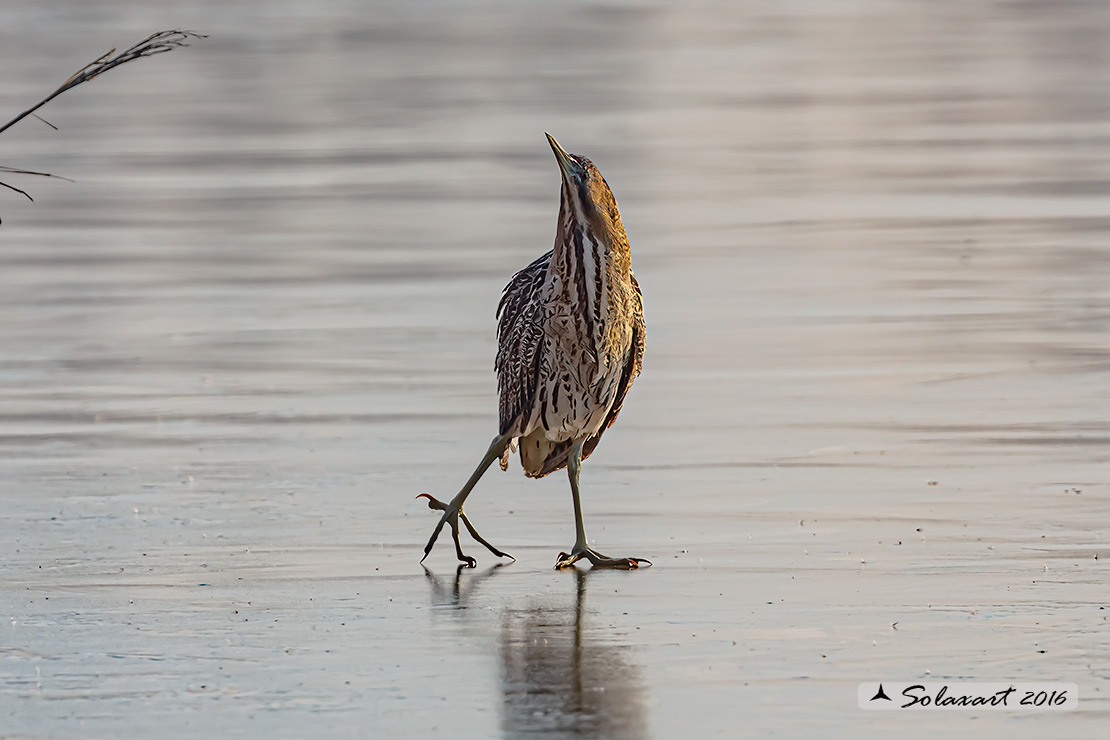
[[872, 241]]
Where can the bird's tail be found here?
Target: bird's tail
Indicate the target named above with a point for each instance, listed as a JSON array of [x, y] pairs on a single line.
[[540, 456]]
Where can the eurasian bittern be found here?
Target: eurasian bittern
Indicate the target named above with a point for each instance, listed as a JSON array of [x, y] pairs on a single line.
[[570, 341]]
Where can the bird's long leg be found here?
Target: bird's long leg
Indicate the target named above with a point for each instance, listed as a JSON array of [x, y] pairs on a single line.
[[581, 548], [453, 511]]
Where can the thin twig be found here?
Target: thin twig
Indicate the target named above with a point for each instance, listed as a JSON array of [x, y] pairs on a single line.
[[157, 43], [18, 171], [48, 123], [24, 192]]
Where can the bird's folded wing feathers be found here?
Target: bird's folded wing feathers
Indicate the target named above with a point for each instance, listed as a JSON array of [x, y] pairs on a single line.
[[520, 316]]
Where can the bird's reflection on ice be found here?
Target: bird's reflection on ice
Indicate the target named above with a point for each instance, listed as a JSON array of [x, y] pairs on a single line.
[[559, 677], [454, 593]]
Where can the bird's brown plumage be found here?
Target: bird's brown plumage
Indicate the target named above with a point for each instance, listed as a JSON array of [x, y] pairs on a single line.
[[571, 331]]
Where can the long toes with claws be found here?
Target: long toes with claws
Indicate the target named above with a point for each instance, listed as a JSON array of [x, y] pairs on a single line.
[[598, 560], [449, 517], [452, 516], [620, 563]]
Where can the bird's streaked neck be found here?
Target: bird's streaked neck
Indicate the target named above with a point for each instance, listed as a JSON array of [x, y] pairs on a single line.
[[592, 264], [596, 225]]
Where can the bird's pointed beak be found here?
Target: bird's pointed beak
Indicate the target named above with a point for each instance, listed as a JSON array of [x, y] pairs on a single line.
[[566, 162]]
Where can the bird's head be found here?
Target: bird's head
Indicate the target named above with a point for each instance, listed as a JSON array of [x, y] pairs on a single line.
[[587, 195]]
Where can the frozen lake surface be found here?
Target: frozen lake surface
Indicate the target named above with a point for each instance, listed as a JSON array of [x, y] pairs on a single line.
[[871, 439]]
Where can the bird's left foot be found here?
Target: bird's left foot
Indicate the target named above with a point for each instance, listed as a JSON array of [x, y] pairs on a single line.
[[452, 516], [597, 559]]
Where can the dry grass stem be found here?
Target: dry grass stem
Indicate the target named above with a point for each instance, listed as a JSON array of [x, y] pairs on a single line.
[[157, 43]]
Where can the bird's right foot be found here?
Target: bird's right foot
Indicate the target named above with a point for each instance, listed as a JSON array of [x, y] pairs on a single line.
[[597, 560], [452, 515]]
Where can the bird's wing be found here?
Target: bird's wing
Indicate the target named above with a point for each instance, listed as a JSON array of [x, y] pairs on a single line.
[[519, 335], [632, 368]]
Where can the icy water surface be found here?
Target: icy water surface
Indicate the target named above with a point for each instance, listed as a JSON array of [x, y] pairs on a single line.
[[870, 441]]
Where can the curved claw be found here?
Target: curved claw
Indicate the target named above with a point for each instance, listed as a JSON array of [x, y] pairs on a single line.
[[433, 502], [632, 563], [564, 560]]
